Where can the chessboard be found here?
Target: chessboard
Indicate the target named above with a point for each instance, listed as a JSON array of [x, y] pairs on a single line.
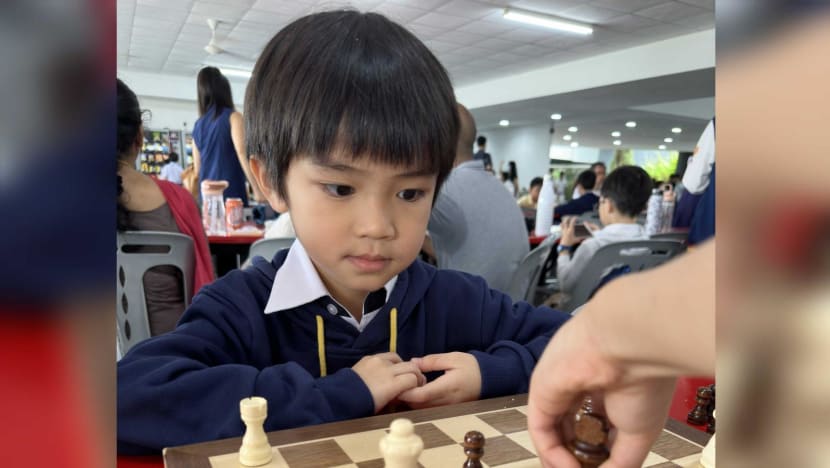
[[354, 443]]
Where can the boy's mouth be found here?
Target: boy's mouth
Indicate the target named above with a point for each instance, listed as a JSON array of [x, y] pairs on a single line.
[[368, 263]]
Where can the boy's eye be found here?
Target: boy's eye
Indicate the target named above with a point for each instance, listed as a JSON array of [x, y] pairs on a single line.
[[410, 194], [337, 190]]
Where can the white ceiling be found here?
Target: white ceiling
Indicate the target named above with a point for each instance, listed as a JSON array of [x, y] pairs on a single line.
[[470, 37], [477, 46]]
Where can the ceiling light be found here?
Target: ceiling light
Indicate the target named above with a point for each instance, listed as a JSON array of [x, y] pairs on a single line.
[[235, 72], [615, 134], [573, 129], [668, 140], [556, 116], [547, 21], [617, 142], [574, 144], [504, 123], [662, 147], [631, 124], [566, 138], [676, 130]]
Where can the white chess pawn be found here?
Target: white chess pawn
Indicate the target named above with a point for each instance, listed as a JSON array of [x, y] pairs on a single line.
[[401, 447], [255, 450]]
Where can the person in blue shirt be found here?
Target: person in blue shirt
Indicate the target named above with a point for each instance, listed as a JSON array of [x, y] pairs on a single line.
[[587, 200], [352, 127]]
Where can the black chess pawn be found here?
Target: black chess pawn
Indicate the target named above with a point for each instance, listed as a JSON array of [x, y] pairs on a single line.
[[699, 415], [474, 449], [590, 436]]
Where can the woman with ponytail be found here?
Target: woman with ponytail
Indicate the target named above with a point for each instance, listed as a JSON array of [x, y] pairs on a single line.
[[148, 204]]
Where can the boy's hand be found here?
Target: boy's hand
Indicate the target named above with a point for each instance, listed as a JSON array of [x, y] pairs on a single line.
[[387, 376], [461, 381], [567, 230]]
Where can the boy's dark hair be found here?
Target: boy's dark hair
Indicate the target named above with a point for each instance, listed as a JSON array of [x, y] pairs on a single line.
[[536, 181], [352, 81], [173, 157], [587, 179], [213, 89], [481, 140], [129, 118], [628, 188]]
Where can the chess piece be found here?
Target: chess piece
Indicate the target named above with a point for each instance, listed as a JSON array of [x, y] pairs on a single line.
[[699, 414], [474, 449], [710, 411], [255, 450], [590, 436], [401, 447]]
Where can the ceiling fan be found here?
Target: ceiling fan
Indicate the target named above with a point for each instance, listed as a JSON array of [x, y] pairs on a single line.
[[217, 46]]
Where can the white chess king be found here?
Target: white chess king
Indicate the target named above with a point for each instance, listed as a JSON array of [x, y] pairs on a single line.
[[255, 450], [401, 447]]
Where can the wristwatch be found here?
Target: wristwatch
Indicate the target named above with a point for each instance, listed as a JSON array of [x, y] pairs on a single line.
[[564, 248]]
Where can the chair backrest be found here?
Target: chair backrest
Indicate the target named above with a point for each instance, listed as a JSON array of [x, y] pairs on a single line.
[[266, 248], [138, 251], [526, 278], [635, 255], [675, 236]]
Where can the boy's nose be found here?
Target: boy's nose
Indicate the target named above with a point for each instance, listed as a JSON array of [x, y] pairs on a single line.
[[374, 220]]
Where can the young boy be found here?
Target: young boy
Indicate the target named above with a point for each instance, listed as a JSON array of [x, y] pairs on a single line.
[[352, 126], [624, 196]]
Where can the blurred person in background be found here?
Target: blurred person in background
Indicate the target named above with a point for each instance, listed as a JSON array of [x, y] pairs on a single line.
[[148, 204], [529, 201], [598, 168], [559, 187], [510, 178], [482, 154], [172, 170], [585, 201], [219, 137]]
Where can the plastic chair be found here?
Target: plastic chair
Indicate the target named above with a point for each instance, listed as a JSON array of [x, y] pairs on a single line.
[[526, 278], [635, 255], [266, 248], [138, 251], [680, 236]]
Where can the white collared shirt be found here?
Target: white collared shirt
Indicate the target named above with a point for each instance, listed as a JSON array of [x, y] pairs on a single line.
[[297, 283]]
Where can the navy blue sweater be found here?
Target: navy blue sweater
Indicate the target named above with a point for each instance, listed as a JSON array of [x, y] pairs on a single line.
[[185, 386], [583, 204]]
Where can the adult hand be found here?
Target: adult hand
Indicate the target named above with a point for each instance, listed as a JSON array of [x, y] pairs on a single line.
[[575, 364]]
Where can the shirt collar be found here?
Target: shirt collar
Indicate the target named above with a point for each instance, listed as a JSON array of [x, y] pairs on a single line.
[[474, 164], [297, 283]]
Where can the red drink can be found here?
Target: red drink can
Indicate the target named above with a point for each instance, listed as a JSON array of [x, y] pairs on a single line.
[[233, 213]]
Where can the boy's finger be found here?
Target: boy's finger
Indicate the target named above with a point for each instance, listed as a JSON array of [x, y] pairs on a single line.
[[436, 362], [391, 357]]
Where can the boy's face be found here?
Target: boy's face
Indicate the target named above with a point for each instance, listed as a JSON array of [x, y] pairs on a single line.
[[360, 222]]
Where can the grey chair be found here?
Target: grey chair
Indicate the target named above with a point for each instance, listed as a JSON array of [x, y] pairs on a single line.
[[636, 255], [675, 236], [526, 278], [266, 248], [138, 251]]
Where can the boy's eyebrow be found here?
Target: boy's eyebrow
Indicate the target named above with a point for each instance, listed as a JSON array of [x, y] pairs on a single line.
[[351, 169]]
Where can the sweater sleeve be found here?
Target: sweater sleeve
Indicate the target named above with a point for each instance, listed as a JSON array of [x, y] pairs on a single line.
[[185, 386], [513, 336]]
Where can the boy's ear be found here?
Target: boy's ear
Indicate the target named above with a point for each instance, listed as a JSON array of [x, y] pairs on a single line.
[[264, 181]]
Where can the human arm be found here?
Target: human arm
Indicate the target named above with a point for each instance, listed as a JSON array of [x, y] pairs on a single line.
[[238, 137], [571, 263], [197, 164], [185, 386], [626, 347]]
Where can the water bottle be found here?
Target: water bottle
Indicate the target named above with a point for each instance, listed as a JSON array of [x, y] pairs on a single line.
[[667, 209], [544, 208], [653, 213], [213, 207]]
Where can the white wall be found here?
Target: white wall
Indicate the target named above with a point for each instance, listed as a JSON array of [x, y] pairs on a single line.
[[170, 113], [528, 146]]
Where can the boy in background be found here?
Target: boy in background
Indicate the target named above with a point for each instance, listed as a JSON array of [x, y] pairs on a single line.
[[625, 194], [352, 127]]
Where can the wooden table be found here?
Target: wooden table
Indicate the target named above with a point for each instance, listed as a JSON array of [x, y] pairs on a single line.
[[343, 443], [231, 250]]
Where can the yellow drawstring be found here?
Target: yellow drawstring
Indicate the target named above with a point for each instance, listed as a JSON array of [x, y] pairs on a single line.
[[321, 339], [321, 346], [393, 330]]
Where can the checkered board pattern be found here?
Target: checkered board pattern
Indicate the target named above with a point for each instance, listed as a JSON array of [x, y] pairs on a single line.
[[507, 444]]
